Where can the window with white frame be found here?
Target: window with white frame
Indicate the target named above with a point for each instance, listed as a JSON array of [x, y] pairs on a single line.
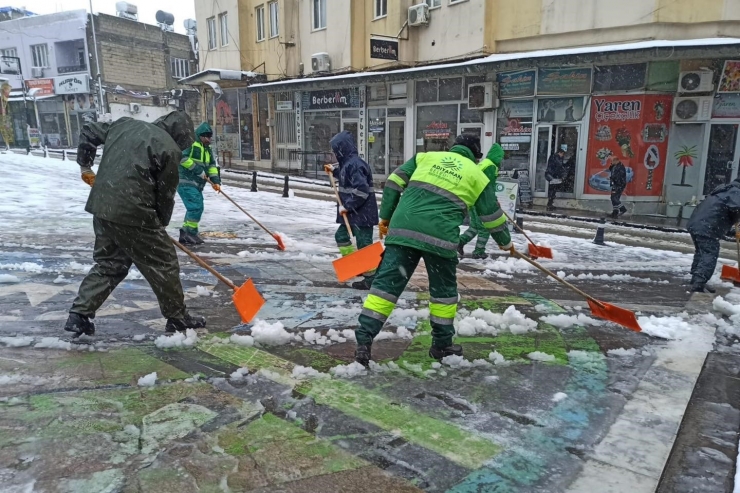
[[211, 23], [260, 17], [274, 19], [223, 24], [433, 4], [457, 1], [180, 67], [381, 8], [9, 52], [319, 14], [40, 55]]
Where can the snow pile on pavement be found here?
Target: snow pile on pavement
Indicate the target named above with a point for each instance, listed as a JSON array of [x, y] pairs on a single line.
[[482, 321], [239, 374], [726, 308], [351, 370], [202, 291], [15, 379], [177, 340], [8, 279], [564, 321], [306, 373], [312, 336], [139, 337], [586, 360], [24, 266], [507, 265], [53, 343], [148, 380], [408, 317], [19, 341], [497, 358], [665, 327], [269, 334], [622, 352], [490, 379], [246, 340], [612, 277], [559, 397], [540, 356]]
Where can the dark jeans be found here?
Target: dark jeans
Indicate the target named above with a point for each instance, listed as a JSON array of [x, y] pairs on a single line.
[[617, 200], [551, 191], [706, 253]]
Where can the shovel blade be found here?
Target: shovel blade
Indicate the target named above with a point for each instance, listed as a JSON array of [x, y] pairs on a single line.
[[247, 301], [616, 314], [730, 273], [359, 262], [539, 251], [281, 245]]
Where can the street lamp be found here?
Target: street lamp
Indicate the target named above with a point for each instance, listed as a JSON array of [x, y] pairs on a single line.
[[25, 102]]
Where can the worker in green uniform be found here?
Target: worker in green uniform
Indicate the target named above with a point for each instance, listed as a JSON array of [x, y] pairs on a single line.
[[131, 201], [197, 167], [489, 166], [438, 190]]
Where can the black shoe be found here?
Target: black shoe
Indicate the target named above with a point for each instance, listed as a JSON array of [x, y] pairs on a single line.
[[363, 354], [550, 207], [365, 284], [198, 239], [187, 239], [460, 251], [622, 210], [480, 256], [615, 214], [699, 285], [79, 324], [185, 323], [439, 353]]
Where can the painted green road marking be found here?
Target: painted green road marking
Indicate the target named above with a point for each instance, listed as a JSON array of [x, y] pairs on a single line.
[[448, 440]]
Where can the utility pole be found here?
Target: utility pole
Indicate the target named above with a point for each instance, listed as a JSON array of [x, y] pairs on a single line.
[[97, 63]]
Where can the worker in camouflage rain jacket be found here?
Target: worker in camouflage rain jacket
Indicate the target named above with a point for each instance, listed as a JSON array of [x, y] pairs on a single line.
[[424, 203], [711, 220], [355, 184], [489, 167], [131, 201], [198, 166]]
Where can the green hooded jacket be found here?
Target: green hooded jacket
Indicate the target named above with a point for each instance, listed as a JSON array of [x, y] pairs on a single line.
[[198, 161], [137, 177]]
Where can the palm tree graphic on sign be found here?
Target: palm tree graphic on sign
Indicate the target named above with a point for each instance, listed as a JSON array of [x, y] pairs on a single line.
[[685, 156]]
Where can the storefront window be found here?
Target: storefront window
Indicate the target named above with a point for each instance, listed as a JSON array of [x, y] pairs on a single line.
[[450, 89], [320, 127], [246, 125], [515, 133], [376, 140], [628, 77], [264, 115], [436, 127], [227, 124], [53, 125], [470, 116], [426, 91]]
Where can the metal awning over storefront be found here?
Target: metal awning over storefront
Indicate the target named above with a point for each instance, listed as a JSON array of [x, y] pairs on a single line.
[[652, 49], [18, 96], [218, 75]]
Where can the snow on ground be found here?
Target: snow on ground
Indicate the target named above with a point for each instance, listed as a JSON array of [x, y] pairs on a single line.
[[305, 373], [559, 397], [563, 321], [19, 341], [177, 340], [351, 370], [8, 279], [482, 321], [148, 380], [270, 334]]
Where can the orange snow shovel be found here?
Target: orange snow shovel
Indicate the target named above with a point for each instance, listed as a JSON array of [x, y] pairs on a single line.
[[279, 240], [730, 273], [246, 298], [360, 261], [535, 251], [607, 311]]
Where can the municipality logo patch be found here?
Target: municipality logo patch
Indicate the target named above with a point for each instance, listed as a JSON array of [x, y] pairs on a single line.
[[451, 164]]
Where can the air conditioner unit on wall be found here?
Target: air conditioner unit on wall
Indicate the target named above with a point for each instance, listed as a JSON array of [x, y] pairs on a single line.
[[134, 107], [695, 81], [320, 62], [37, 72], [419, 15], [695, 109], [482, 96]]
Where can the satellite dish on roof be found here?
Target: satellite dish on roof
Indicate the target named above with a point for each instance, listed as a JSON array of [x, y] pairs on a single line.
[[165, 17]]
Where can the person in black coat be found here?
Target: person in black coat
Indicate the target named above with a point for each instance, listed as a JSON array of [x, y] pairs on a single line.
[[618, 182], [554, 174], [355, 182], [711, 220]]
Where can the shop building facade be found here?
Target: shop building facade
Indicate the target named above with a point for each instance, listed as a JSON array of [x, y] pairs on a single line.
[[669, 110]]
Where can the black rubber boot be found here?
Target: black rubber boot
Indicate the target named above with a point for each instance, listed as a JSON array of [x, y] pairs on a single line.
[[439, 353], [187, 239], [480, 256], [198, 239], [79, 324], [550, 206], [460, 250], [615, 214], [699, 285], [185, 323], [622, 210], [363, 354], [365, 284]]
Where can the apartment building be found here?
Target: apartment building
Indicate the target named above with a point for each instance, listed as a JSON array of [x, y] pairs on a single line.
[[400, 76]]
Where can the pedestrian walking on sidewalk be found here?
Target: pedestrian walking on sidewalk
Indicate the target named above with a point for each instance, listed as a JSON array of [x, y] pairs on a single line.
[[711, 220], [554, 174], [424, 203], [197, 166], [355, 182], [618, 182], [489, 166], [131, 201]]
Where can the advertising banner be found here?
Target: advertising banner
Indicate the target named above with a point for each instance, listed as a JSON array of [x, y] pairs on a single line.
[[730, 80], [516, 84], [634, 128], [506, 193], [553, 81], [72, 84], [45, 86], [560, 109]]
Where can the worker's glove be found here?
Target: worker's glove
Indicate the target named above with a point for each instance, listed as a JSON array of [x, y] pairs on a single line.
[[342, 210], [88, 176], [509, 247], [383, 228], [216, 187], [86, 154], [329, 168]]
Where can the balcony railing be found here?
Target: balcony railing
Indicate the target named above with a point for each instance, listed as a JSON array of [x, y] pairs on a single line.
[[71, 68]]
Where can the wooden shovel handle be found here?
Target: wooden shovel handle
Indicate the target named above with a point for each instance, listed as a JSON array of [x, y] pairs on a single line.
[[203, 264], [737, 243], [339, 201], [240, 208], [516, 254], [518, 228]]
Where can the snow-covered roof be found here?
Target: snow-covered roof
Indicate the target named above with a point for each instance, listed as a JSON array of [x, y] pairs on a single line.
[[504, 57], [216, 74]]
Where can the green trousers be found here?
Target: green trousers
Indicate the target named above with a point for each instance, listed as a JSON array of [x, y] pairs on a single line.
[[395, 270], [363, 235], [476, 229], [192, 199], [116, 248]]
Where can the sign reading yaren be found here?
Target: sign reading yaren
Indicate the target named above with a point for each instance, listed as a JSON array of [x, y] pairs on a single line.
[[385, 49], [72, 84]]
